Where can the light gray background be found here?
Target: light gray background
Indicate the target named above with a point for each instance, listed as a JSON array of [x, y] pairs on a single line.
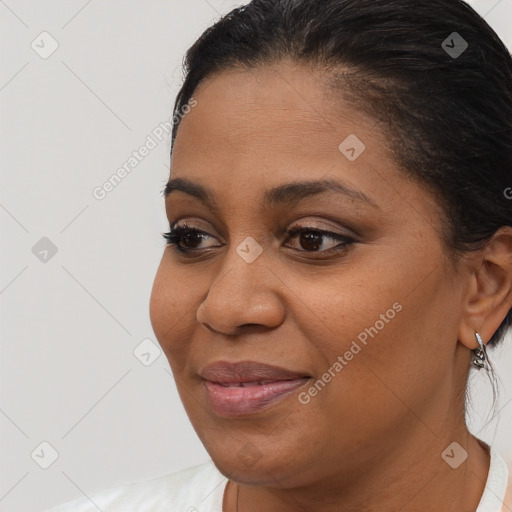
[[70, 325]]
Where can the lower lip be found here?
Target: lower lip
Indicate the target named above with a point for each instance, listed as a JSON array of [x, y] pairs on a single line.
[[238, 401]]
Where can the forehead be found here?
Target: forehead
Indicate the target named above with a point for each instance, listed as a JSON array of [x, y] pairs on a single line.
[[281, 119], [256, 130]]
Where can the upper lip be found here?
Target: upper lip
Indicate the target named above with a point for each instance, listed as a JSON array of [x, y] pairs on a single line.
[[247, 371]]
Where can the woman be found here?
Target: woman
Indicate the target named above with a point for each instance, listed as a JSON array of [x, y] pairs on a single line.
[[339, 259]]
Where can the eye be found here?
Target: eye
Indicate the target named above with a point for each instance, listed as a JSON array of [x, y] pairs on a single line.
[[314, 240], [187, 239], [179, 235]]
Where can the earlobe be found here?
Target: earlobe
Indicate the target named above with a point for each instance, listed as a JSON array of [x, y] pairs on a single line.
[[489, 294]]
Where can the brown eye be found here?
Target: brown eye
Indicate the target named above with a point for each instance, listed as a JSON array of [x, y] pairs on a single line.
[[311, 241], [317, 240], [192, 239], [186, 239]]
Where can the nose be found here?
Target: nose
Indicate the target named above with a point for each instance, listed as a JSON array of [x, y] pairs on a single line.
[[243, 294]]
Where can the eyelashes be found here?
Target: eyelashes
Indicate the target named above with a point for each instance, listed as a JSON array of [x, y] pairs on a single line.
[[309, 236], [179, 233]]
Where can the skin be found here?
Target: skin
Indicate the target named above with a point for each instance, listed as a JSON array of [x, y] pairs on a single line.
[[372, 438]]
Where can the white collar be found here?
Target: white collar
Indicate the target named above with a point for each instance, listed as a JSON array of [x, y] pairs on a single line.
[[496, 485]]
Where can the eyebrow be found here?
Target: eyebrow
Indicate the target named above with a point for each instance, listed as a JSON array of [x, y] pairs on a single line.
[[289, 193]]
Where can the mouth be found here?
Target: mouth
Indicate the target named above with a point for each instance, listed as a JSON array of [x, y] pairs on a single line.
[[244, 372], [247, 387], [246, 384]]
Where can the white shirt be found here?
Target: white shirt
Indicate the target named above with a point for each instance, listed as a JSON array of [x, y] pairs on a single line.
[[201, 489]]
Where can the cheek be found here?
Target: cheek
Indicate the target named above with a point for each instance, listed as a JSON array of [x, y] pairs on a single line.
[[360, 303], [172, 305], [406, 348], [389, 322]]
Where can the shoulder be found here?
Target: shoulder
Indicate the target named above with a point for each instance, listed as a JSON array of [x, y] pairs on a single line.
[[196, 489]]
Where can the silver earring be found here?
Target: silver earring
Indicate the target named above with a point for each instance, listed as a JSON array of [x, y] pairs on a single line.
[[480, 358]]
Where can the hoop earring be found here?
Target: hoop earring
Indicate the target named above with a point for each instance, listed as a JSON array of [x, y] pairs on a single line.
[[480, 358]]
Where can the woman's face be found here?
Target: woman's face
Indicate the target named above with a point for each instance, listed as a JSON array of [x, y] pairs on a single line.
[[371, 317]]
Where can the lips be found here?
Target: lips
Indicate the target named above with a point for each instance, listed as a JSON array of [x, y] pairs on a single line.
[[246, 373], [248, 387], [245, 384]]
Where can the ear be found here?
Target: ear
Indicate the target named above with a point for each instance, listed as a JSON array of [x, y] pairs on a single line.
[[489, 295]]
